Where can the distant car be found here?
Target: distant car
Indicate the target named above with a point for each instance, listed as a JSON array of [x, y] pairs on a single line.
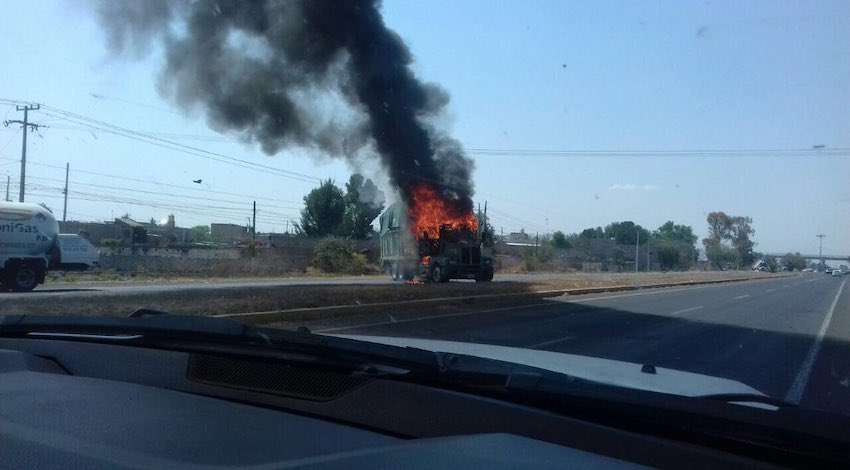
[[836, 272], [808, 270]]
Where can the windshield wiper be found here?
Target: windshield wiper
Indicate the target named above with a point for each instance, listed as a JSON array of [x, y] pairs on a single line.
[[749, 398]]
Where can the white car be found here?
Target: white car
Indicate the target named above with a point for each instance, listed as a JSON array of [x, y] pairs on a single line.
[[836, 272]]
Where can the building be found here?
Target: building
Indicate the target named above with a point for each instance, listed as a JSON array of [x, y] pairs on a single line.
[[229, 233], [519, 237]]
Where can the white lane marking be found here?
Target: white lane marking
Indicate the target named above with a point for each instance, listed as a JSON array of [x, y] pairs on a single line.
[[795, 393], [547, 343], [770, 290], [741, 297], [811, 280], [432, 317], [660, 290], [687, 310]]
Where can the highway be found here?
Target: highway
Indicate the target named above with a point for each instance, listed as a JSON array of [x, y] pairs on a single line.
[[789, 337]]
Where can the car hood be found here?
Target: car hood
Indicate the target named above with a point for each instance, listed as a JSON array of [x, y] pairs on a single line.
[[607, 371]]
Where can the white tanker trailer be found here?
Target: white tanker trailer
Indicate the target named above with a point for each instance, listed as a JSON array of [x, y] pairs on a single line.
[[31, 245]]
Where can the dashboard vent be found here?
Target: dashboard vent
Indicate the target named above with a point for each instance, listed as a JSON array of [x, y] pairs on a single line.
[[266, 377]]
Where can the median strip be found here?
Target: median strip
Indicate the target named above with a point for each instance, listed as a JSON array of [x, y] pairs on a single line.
[[335, 311]]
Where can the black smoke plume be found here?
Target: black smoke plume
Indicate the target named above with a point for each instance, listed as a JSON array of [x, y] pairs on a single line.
[[275, 73]]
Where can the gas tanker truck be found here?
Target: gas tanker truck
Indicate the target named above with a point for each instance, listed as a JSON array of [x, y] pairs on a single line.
[[31, 245]]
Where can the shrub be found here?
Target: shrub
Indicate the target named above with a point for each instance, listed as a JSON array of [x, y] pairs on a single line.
[[335, 255]]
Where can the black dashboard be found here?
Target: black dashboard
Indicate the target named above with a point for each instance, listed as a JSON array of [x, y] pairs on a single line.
[[75, 404]]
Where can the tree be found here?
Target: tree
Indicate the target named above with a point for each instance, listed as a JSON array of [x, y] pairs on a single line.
[[488, 233], [626, 233], [675, 244], [668, 256], [671, 232], [794, 261], [324, 211], [201, 233], [592, 233], [735, 230], [363, 204], [559, 240], [741, 232]]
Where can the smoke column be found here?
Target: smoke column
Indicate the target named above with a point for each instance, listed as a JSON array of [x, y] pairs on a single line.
[[274, 71]]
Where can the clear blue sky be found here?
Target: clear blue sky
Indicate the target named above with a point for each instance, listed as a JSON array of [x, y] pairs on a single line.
[[552, 75]]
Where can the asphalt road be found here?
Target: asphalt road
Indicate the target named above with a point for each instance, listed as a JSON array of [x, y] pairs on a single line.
[[789, 337]]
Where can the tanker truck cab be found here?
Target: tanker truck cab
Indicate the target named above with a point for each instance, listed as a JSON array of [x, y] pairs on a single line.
[[30, 245], [75, 253], [28, 235]]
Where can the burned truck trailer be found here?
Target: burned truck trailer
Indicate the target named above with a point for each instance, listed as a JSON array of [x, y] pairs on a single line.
[[456, 253]]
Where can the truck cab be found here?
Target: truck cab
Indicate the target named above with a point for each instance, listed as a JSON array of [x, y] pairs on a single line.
[[30, 245], [454, 258]]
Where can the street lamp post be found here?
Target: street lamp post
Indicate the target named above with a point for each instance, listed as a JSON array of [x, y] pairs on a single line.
[[820, 250]]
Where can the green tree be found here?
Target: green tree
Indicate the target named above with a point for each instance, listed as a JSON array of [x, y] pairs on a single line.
[[672, 232], [592, 233], [201, 233], [668, 256], [794, 261], [626, 233], [324, 211], [675, 242], [488, 233], [737, 231], [559, 240], [363, 204], [740, 235]]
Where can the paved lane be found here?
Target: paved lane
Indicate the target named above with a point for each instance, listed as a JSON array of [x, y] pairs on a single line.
[[762, 333]]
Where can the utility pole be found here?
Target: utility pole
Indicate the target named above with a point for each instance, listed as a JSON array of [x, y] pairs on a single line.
[[8, 183], [254, 223], [65, 192], [25, 123], [637, 255], [820, 250]]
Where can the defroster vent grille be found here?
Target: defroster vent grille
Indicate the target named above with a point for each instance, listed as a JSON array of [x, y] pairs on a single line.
[[266, 377]]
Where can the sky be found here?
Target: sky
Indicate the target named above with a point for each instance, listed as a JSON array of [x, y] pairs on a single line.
[[576, 114]]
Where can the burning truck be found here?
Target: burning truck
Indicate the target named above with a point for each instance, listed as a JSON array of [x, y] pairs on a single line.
[[432, 240]]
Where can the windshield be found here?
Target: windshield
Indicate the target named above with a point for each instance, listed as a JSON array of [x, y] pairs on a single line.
[[655, 189]]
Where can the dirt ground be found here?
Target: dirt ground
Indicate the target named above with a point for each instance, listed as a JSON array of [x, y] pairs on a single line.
[[236, 299]]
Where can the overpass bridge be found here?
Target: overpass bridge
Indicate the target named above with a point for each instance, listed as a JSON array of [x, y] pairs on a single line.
[[845, 258]]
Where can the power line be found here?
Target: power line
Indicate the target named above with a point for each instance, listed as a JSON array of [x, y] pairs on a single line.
[[158, 193], [153, 140], [157, 183], [815, 151]]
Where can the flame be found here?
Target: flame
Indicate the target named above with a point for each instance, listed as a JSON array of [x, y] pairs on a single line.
[[429, 212]]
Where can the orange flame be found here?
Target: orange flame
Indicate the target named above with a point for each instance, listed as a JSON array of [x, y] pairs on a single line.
[[429, 212]]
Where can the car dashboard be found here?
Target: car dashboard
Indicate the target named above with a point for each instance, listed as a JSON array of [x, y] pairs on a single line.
[[70, 403]]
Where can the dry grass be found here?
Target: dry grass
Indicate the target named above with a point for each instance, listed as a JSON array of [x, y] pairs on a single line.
[[229, 299]]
